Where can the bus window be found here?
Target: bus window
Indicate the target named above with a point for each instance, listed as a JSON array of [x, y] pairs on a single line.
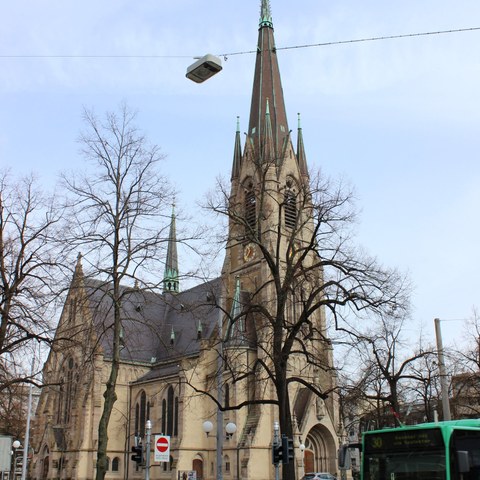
[[465, 443]]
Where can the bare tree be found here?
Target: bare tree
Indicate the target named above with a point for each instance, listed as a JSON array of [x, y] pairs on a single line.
[[119, 221], [390, 371], [304, 264], [465, 370], [31, 274]]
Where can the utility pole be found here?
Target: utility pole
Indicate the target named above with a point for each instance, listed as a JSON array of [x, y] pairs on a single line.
[[220, 394], [26, 444], [443, 374], [147, 449]]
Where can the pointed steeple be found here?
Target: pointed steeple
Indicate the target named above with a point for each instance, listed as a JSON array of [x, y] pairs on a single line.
[[78, 277], [237, 152], [301, 157], [267, 84], [170, 278]]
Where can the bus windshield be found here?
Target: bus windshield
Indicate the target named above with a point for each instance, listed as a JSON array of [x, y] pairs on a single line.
[[404, 455], [405, 466]]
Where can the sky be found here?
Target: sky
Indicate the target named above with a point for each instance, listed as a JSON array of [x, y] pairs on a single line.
[[398, 119]]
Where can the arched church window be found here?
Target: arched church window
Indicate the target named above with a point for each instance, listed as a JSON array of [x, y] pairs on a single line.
[[227, 395], [164, 416], [170, 413], [141, 414], [115, 464], [67, 391], [137, 418]]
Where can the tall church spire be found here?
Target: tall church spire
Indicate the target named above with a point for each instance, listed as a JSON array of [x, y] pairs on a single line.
[[170, 278], [267, 85]]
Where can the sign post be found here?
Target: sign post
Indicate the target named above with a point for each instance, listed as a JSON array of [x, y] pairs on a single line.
[[162, 448]]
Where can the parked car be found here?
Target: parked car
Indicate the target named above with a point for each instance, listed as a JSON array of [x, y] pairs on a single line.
[[319, 476]]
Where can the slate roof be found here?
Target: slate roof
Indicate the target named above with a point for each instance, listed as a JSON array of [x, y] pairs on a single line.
[[148, 320]]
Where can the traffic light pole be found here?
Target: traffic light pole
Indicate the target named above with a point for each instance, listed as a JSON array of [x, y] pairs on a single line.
[[147, 449]]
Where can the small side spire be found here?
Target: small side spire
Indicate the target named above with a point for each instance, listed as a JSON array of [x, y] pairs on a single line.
[[170, 278], [237, 153], [236, 323], [301, 157], [268, 149]]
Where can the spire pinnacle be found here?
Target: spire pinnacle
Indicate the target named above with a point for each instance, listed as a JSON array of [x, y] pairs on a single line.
[[237, 152], [265, 14], [301, 157], [170, 278], [236, 323]]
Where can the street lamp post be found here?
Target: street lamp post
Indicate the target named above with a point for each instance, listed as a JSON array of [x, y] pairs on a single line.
[[15, 445], [230, 429], [147, 449], [276, 443]]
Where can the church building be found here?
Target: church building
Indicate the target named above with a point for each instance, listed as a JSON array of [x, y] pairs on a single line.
[[182, 350]]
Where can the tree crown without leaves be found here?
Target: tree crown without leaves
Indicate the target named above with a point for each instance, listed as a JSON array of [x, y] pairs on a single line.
[[32, 273], [120, 223]]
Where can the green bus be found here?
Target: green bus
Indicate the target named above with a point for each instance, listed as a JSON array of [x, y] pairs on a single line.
[[447, 450]]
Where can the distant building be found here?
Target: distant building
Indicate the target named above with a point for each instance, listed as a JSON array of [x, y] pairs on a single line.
[[170, 342]]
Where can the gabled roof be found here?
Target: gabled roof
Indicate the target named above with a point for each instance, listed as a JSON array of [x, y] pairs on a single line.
[[148, 320]]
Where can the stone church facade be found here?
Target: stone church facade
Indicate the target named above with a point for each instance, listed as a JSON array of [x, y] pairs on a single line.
[[171, 341]]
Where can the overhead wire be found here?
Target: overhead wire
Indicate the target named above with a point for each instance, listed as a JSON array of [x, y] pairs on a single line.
[[359, 40], [231, 54]]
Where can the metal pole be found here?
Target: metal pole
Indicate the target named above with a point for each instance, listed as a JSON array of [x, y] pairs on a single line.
[[147, 450], [276, 443], [441, 368], [27, 428], [220, 395]]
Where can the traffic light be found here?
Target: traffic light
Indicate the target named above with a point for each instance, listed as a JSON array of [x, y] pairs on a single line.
[[277, 454], [288, 451], [137, 454]]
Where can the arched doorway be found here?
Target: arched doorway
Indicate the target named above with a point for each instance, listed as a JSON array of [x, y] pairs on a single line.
[[197, 465], [320, 451]]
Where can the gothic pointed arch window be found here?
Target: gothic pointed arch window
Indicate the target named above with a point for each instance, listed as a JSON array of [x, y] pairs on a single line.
[[290, 204], [170, 412], [142, 413], [68, 391]]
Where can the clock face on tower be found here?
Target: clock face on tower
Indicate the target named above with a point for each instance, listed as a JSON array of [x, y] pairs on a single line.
[[249, 252]]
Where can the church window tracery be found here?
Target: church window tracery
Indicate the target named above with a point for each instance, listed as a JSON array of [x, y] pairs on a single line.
[[170, 413], [68, 391]]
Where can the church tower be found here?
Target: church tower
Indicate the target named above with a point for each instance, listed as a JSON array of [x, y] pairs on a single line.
[[271, 245]]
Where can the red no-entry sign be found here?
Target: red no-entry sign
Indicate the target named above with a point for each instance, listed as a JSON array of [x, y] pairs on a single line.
[[162, 448]]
